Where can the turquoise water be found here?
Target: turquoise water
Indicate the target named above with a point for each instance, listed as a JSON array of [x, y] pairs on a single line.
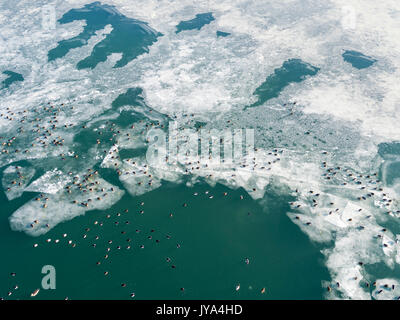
[[357, 59], [390, 151], [196, 23], [292, 71], [130, 37], [215, 237], [393, 173], [388, 148], [308, 211], [132, 97], [12, 77]]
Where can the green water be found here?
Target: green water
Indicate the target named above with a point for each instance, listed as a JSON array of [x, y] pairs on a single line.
[[129, 36], [222, 34], [387, 149], [390, 151], [197, 23], [215, 237], [357, 59], [12, 77], [133, 96], [292, 71]]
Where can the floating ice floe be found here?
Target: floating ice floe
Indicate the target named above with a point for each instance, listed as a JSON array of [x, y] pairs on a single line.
[[15, 179], [51, 182], [386, 289], [43, 213]]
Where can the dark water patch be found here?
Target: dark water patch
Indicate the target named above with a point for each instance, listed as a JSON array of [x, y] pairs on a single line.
[[110, 175], [199, 124], [392, 173], [198, 22], [390, 168], [207, 242], [357, 59], [129, 36], [88, 138], [389, 149], [134, 97], [292, 71], [132, 153], [12, 77], [381, 270], [103, 133], [222, 34]]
